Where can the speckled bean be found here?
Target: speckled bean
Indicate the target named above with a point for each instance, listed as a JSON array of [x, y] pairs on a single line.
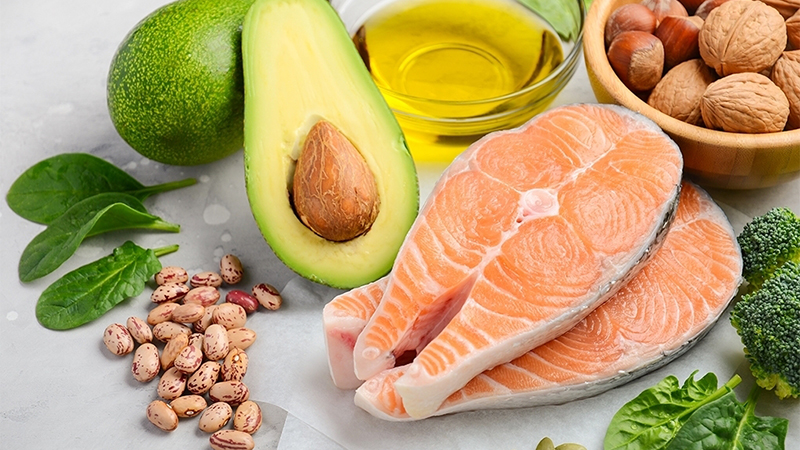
[[172, 384], [206, 279], [118, 340], [247, 417], [173, 348], [232, 392], [230, 269], [161, 313], [267, 296], [165, 331], [171, 274], [146, 363], [215, 417], [204, 295], [234, 367], [231, 440], [188, 313], [203, 378], [207, 319], [162, 416], [170, 292], [139, 330], [243, 299], [189, 359], [188, 405], [241, 338], [215, 342], [229, 315], [196, 339]]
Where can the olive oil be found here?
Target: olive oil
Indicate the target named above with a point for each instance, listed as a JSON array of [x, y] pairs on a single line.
[[456, 59]]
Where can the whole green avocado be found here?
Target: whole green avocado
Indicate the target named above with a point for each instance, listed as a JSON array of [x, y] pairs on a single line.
[[175, 87]]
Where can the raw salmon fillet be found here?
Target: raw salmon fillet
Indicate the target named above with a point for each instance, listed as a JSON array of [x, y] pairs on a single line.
[[675, 299], [343, 319], [524, 234]]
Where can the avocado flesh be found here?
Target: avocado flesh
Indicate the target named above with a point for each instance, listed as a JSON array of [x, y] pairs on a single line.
[[175, 86], [300, 67]]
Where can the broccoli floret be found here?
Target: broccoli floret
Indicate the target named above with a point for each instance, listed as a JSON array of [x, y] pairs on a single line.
[[767, 242], [768, 321]]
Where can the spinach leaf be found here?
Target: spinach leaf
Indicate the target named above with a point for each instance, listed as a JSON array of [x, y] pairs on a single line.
[[726, 424], [92, 290], [89, 217], [47, 189], [651, 420]]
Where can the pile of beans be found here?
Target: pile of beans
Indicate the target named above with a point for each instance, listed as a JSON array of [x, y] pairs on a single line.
[[203, 353]]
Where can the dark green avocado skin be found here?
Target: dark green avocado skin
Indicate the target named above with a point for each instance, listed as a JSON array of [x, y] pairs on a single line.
[[175, 87]]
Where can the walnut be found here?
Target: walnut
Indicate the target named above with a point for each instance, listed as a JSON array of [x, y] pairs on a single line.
[[678, 94], [742, 36], [745, 103], [785, 7], [786, 75], [793, 30]]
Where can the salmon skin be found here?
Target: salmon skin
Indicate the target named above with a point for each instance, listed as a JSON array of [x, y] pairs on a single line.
[[661, 313], [524, 234], [343, 319]]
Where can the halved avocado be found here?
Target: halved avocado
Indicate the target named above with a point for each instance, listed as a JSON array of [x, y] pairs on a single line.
[[300, 68]]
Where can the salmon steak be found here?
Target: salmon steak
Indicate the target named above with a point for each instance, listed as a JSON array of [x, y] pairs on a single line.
[[670, 304], [524, 234]]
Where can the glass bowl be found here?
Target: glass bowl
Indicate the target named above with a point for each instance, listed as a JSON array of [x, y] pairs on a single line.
[[437, 130]]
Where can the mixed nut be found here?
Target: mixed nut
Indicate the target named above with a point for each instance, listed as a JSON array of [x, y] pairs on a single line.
[[732, 65], [203, 361]]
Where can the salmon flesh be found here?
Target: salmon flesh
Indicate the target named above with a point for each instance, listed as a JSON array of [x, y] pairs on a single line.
[[525, 233]]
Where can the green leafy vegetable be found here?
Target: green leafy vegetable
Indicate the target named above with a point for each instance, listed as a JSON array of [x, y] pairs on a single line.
[[92, 290], [47, 189], [560, 14], [89, 217], [726, 424], [651, 420]]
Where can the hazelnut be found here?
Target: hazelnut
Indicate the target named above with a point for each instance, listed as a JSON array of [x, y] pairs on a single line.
[[742, 36], [793, 30], [630, 17], [786, 75], [679, 36], [664, 8], [638, 59], [678, 94], [745, 103], [706, 7], [691, 5]]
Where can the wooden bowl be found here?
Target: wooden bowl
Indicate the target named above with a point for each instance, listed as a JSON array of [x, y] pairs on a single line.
[[711, 158]]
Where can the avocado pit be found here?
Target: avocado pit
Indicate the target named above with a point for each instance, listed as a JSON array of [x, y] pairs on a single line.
[[334, 192]]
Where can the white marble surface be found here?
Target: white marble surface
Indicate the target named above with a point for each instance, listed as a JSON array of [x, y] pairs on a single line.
[[64, 390]]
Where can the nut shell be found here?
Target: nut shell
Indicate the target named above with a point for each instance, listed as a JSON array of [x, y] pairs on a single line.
[[638, 59], [786, 75], [680, 38], [664, 8], [793, 30], [742, 36], [745, 103], [678, 94], [630, 17]]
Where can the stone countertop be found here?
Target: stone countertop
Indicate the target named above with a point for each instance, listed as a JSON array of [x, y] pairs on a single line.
[[65, 390]]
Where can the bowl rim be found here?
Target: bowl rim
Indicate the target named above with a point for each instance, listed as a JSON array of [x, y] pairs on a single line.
[[563, 68], [596, 59]]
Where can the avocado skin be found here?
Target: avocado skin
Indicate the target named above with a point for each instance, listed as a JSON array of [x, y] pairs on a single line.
[[175, 86]]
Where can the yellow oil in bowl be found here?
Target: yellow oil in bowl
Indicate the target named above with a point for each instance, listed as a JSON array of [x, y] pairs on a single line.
[[454, 70]]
